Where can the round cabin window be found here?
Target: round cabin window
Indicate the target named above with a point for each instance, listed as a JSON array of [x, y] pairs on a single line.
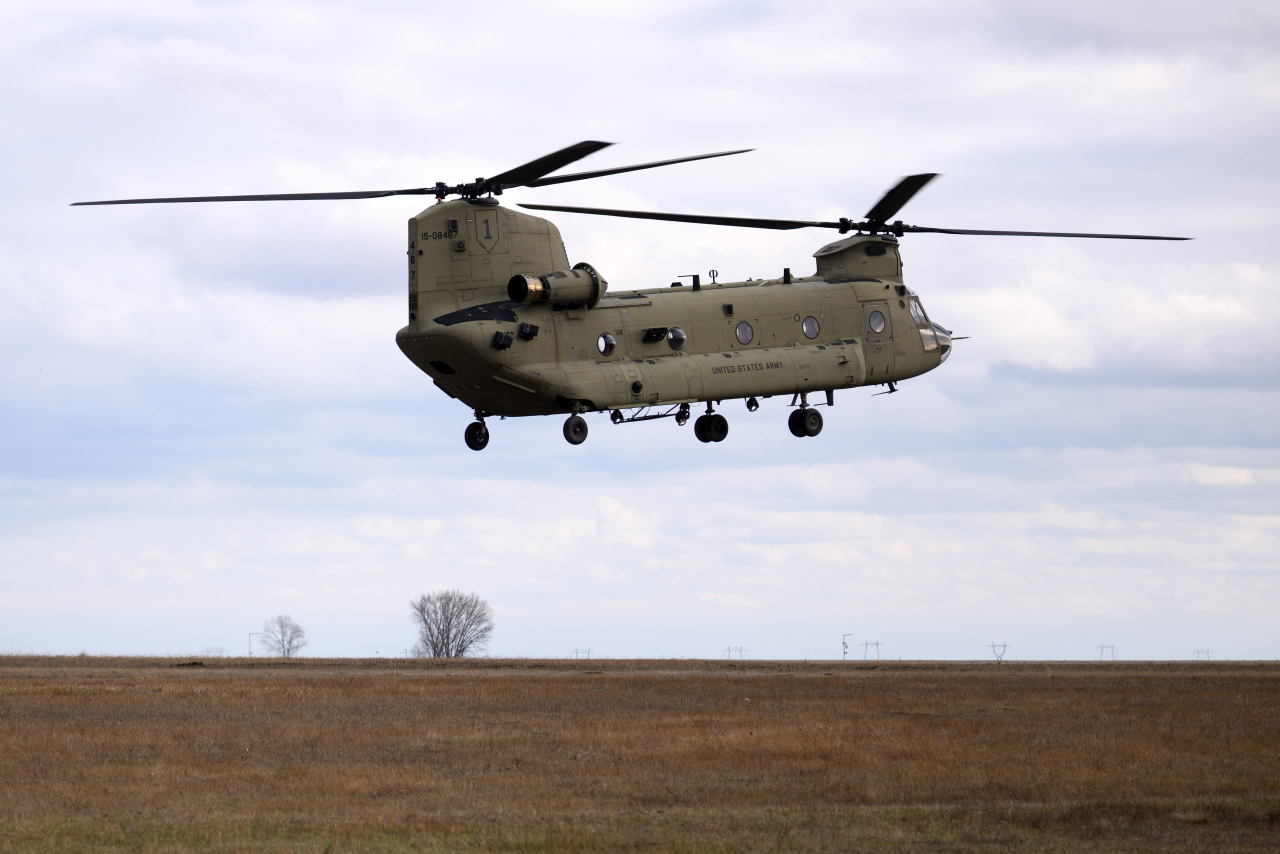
[[676, 337], [606, 344], [744, 333], [811, 327], [877, 322]]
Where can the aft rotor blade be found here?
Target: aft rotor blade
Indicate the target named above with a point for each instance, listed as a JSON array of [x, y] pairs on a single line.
[[891, 202], [535, 169], [582, 176], [270, 197], [921, 228], [742, 222]]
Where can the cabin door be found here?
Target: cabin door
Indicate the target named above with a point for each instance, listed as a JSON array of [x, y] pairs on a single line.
[[878, 339]]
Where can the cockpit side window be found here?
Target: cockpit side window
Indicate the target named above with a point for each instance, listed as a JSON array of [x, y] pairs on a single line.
[[918, 313]]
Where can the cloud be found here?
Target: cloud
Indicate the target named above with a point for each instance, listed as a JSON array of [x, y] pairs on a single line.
[[621, 525], [1219, 475]]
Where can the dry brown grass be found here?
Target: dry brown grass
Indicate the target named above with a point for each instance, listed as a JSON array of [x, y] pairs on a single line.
[[653, 755]]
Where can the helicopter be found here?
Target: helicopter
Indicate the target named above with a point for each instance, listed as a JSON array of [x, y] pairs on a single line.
[[500, 320]]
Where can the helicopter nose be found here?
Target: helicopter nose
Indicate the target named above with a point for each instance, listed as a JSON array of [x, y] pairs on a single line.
[[944, 341]]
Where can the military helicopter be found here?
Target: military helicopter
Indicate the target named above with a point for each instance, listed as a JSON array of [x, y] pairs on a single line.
[[500, 320]]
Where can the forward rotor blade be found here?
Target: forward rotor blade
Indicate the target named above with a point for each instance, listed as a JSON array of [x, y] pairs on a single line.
[[891, 202], [270, 197], [582, 176], [923, 229], [534, 169], [743, 222]]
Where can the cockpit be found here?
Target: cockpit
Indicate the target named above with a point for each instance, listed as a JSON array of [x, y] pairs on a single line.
[[932, 335]]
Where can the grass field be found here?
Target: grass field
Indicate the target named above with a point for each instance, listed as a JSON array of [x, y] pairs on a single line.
[[392, 755]]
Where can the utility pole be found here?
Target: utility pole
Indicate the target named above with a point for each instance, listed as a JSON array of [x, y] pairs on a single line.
[[730, 650], [998, 650], [251, 634], [576, 651], [866, 645], [844, 642], [1104, 648], [1206, 654]]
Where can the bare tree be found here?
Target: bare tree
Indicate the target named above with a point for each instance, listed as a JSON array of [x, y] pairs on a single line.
[[451, 624], [282, 636]]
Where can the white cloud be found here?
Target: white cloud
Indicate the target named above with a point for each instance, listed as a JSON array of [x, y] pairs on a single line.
[[621, 525], [600, 572], [1219, 475]]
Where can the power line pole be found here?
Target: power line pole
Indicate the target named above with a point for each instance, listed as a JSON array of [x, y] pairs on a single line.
[[576, 651], [1206, 654], [998, 650], [730, 650], [251, 634], [1104, 648], [866, 645], [844, 642]]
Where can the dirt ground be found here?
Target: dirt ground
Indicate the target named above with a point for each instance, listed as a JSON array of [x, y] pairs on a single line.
[[395, 755]]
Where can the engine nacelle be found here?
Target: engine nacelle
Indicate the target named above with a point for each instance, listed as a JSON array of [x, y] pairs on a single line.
[[581, 286]]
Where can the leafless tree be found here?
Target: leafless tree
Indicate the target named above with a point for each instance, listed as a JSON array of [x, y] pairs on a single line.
[[282, 636], [451, 624]]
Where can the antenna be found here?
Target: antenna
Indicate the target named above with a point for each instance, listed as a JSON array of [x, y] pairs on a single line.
[[998, 650], [730, 650], [1105, 648], [866, 644], [845, 643]]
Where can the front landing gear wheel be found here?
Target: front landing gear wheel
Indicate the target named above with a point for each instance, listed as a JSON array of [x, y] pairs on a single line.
[[794, 425], [476, 435], [717, 427], [811, 421], [575, 430], [700, 428]]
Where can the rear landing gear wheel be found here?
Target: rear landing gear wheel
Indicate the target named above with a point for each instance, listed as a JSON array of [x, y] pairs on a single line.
[[476, 435], [811, 421], [794, 425], [717, 427], [700, 428], [575, 430]]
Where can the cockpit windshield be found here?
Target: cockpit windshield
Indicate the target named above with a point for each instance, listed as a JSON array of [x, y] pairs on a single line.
[[927, 335]]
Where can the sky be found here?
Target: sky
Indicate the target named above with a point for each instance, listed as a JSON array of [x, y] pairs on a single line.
[[206, 422]]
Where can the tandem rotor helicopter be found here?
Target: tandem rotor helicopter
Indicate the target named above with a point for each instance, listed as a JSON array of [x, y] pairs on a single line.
[[501, 321]]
